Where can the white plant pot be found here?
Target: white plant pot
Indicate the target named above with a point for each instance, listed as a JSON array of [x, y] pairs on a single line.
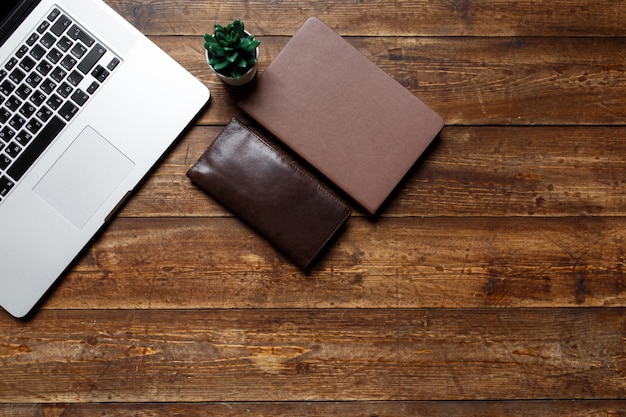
[[237, 82]]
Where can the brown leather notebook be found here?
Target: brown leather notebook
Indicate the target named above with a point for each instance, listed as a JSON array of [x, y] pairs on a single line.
[[344, 115], [270, 193]]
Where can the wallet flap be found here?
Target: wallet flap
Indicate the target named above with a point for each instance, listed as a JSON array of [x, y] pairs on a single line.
[[274, 196]]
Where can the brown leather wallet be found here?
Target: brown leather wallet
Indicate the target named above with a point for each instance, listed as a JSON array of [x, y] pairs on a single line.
[[274, 196]]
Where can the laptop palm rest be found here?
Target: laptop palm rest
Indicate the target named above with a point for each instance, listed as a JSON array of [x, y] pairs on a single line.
[[83, 177]]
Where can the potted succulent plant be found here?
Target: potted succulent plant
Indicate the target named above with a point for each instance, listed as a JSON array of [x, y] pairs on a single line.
[[232, 53]]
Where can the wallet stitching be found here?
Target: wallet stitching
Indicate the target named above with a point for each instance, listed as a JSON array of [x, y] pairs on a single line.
[[298, 169], [312, 180]]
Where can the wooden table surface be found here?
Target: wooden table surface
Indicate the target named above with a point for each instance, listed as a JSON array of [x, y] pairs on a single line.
[[491, 283]]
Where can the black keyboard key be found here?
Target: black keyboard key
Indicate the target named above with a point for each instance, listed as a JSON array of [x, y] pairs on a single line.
[[10, 64], [34, 126], [113, 64], [48, 86], [54, 55], [54, 14], [5, 161], [44, 114], [77, 33], [80, 97], [44, 68], [13, 103], [64, 44], [100, 73], [75, 78], [79, 50], [27, 110], [68, 62], [36, 148], [13, 150], [61, 25], [65, 90], [91, 59], [43, 26], [93, 87], [33, 79], [38, 98], [54, 102], [27, 64], [6, 134], [5, 185], [32, 39], [37, 52], [5, 115], [22, 51], [23, 138], [58, 74], [6, 87], [17, 75], [23, 91], [17, 122], [47, 40], [3, 73], [68, 111]]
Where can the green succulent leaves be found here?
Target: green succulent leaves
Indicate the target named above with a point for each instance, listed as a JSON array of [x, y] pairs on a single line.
[[231, 49]]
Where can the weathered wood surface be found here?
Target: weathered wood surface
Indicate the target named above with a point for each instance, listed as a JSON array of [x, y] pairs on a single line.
[[315, 355], [470, 80], [600, 18], [389, 263], [490, 284], [499, 171], [563, 408]]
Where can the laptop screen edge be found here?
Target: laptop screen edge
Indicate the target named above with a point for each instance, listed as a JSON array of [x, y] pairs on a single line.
[[14, 16]]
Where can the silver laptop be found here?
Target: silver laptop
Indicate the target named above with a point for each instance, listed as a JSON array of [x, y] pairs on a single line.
[[87, 106]]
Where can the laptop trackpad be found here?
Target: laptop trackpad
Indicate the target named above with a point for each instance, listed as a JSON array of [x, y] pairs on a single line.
[[83, 177]]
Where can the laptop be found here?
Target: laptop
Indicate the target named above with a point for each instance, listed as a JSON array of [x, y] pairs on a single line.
[[88, 106]]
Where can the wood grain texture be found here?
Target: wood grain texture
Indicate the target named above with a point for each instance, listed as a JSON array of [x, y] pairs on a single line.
[[563, 408], [601, 18], [468, 171], [490, 284], [314, 355], [389, 263], [469, 81]]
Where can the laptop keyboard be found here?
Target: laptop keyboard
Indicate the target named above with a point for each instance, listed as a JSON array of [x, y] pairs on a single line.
[[46, 82]]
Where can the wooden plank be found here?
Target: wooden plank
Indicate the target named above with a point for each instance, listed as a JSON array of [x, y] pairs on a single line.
[[384, 17], [469, 81], [313, 355], [567, 408], [388, 263], [491, 284], [469, 171]]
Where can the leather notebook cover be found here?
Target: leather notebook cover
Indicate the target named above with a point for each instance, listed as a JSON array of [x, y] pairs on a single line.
[[270, 193], [344, 115]]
